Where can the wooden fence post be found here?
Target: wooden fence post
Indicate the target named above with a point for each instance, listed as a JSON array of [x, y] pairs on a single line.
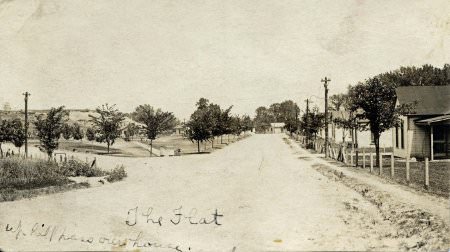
[[364, 159], [407, 169], [351, 158], [381, 164], [371, 162], [427, 174], [392, 165]]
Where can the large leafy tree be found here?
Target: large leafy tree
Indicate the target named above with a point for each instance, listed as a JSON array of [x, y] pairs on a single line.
[[289, 112], [377, 99], [156, 121], [263, 118], [107, 124], [49, 128], [200, 125]]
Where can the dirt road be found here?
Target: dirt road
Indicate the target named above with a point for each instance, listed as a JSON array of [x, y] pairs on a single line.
[[253, 195]]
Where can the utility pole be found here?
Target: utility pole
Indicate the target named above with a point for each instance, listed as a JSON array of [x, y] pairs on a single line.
[[325, 84], [26, 122]]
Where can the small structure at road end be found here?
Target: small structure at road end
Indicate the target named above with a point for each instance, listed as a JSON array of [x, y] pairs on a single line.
[[276, 128], [180, 129]]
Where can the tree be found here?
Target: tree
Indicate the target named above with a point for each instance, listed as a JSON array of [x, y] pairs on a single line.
[[18, 133], [288, 113], [155, 121], [130, 131], [49, 128], [377, 100], [77, 132], [247, 123], [236, 125], [337, 101], [263, 118], [66, 131], [107, 124], [5, 134], [90, 134], [200, 125]]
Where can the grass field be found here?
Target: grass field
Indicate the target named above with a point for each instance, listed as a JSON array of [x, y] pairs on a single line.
[[21, 178], [439, 174]]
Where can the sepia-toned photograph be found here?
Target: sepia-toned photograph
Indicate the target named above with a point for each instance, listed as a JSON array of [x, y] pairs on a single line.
[[229, 126]]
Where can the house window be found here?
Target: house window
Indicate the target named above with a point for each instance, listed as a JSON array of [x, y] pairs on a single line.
[[396, 136], [372, 138], [402, 135]]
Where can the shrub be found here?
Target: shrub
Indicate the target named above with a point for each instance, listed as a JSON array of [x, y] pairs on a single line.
[[117, 174], [25, 174], [74, 168]]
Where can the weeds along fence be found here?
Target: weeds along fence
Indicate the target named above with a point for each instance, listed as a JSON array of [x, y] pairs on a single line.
[[432, 176]]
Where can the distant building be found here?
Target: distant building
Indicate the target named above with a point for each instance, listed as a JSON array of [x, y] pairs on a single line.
[[426, 131], [276, 128], [180, 129]]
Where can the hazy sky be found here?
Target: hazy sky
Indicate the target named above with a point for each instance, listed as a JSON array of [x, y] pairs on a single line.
[[82, 53]]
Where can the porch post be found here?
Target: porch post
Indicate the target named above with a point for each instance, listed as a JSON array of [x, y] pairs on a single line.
[[431, 143]]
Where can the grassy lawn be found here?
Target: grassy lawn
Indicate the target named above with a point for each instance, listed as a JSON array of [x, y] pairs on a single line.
[[189, 147], [23, 178], [439, 173], [135, 149]]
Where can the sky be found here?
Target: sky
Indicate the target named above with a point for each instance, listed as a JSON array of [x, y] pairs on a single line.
[[167, 53]]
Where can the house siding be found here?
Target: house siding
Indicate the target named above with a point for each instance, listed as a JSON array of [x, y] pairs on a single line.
[[417, 139]]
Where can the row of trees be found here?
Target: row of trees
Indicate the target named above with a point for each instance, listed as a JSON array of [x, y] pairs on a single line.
[[206, 123], [107, 125], [209, 121]]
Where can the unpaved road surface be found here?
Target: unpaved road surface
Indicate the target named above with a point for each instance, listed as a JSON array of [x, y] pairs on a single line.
[[254, 195]]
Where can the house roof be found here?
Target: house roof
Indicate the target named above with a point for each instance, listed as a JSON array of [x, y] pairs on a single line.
[[444, 119], [431, 100], [277, 125]]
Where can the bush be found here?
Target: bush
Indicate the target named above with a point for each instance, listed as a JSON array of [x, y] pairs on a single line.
[[25, 174], [74, 168], [117, 174]]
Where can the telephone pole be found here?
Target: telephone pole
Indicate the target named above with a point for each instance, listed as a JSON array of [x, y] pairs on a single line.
[[325, 84], [26, 123]]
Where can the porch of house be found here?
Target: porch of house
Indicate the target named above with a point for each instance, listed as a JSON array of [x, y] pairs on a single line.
[[438, 129]]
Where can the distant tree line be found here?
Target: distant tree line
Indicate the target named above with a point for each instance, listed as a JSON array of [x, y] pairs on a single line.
[[286, 112]]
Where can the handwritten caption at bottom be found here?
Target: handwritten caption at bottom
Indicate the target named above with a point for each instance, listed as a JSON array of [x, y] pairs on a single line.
[[55, 233], [179, 217]]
